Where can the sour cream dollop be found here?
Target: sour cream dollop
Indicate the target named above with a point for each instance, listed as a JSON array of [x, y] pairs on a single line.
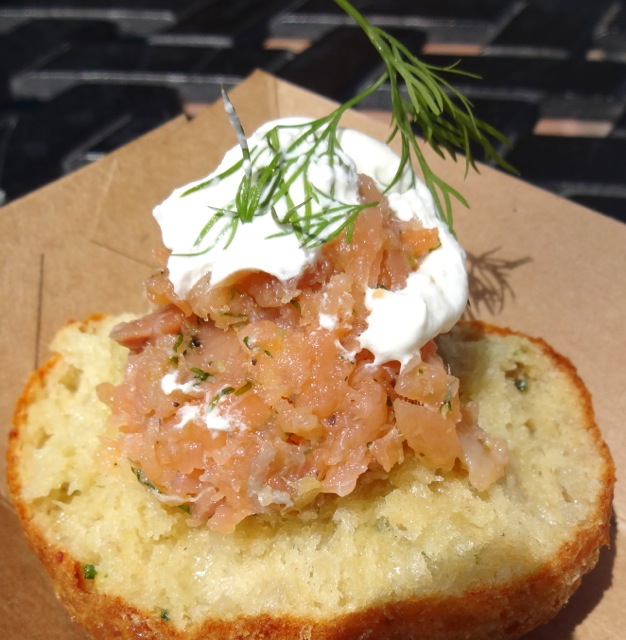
[[399, 322]]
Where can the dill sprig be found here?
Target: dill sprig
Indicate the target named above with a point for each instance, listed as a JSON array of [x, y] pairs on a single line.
[[421, 99], [317, 219], [432, 108]]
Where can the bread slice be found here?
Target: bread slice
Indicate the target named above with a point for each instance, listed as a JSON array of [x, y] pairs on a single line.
[[411, 555]]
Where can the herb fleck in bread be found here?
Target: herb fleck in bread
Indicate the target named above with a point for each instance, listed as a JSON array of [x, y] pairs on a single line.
[[409, 555]]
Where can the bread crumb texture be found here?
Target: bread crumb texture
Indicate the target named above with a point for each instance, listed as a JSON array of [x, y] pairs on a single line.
[[400, 538]]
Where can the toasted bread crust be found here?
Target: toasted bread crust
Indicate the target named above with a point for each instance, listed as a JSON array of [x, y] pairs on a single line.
[[508, 610], [504, 612]]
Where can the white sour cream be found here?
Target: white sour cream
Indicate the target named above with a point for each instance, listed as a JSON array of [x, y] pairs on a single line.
[[170, 383], [213, 418], [399, 322], [183, 217], [435, 295]]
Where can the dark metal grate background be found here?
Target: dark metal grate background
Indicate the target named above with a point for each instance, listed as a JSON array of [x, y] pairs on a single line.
[[79, 78]]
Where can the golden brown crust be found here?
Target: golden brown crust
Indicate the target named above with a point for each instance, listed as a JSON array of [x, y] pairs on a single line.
[[35, 382], [497, 612], [505, 612]]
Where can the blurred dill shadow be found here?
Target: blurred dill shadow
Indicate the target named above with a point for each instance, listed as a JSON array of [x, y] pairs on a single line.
[[489, 281]]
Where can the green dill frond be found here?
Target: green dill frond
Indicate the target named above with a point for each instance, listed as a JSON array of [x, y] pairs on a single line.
[[442, 115], [423, 100]]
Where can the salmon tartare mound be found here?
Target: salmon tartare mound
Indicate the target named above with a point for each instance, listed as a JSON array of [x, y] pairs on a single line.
[[255, 394]]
